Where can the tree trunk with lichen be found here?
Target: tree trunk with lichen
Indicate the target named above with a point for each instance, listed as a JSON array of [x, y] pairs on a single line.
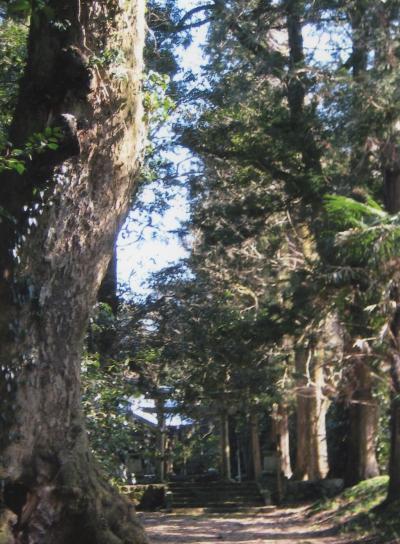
[[280, 438], [312, 451], [392, 187], [364, 419], [66, 210]]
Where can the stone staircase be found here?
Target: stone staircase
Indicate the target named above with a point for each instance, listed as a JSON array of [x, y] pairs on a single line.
[[216, 496]]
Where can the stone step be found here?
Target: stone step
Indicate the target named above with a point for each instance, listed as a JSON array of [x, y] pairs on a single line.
[[205, 490], [217, 491], [217, 504], [202, 498], [212, 484], [220, 507], [193, 498], [215, 495]]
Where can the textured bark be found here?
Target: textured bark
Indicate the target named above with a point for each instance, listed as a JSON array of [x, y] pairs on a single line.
[[394, 462], [53, 258], [363, 412], [312, 453], [108, 292], [255, 446], [390, 159], [364, 418], [280, 437]]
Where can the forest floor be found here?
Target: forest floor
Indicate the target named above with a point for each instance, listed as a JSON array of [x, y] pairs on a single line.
[[267, 526], [349, 518]]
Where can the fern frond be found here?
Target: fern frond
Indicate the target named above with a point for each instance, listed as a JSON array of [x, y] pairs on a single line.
[[347, 212]]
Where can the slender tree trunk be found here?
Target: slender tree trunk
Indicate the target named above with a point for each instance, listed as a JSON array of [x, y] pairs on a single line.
[[255, 446], [162, 439], [312, 453], [225, 450], [67, 210], [364, 418], [281, 438]]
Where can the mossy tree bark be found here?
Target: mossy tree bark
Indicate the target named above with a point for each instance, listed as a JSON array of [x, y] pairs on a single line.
[[281, 438], [364, 418], [66, 209], [394, 357], [312, 406], [390, 164]]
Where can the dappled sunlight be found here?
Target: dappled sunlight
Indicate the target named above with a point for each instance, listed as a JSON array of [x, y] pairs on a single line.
[[283, 526]]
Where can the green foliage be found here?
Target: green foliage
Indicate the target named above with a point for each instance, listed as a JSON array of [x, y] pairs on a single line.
[[346, 212], [38, 142], [105, 403], [26, 8], [157, 102], [364, 234], [13, 36]]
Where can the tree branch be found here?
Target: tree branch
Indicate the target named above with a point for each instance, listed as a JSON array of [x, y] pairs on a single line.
[[192, 12]]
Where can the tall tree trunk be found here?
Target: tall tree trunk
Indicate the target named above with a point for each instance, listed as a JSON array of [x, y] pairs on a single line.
[[364, 418], [312, 453], [255, 446], [67, 210], [108, 292], [225, 450], [390, 163], [358, 62], [162, 438], [297, 86], [280, 436], [394, 462]]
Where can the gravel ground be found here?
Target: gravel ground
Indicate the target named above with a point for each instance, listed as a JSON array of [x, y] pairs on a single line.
[[279, 526]]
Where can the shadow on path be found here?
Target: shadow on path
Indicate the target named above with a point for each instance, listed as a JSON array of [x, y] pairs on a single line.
[[287, 526]]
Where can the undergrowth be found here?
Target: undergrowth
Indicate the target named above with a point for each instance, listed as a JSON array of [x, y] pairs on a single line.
[[355, 511]]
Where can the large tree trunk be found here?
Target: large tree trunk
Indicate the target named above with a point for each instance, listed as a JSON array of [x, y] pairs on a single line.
[[387, 56], [280, 437], [394, 462], [256, 465], [67, 210], [390, 157], [312, 453], [364, 418]]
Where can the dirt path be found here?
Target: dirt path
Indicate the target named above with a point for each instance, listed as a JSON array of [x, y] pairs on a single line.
[[275, 526]]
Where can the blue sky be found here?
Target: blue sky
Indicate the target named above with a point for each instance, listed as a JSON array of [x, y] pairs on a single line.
[[158, 246]]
